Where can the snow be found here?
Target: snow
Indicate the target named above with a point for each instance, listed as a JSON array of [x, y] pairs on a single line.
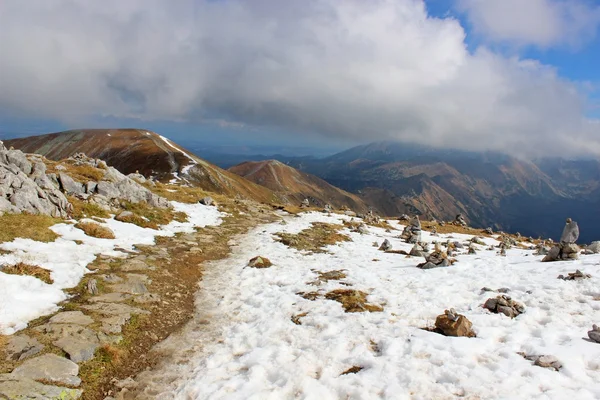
[[23, 298], [252, 350], [186, 168]]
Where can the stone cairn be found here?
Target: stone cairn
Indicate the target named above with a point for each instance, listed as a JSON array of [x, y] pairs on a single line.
[[437, 258], [412, 233], [503, 304], [385, 246], [566, 249], [574, 276], [459, 220], [305, 203], [594, 334], [450, 323]]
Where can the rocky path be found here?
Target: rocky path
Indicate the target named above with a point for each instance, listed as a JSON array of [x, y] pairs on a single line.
[[103, 335]]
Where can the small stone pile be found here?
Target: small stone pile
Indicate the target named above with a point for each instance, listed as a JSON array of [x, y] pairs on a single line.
[[459, 220], [385, 246], [566, 249], [328, 208], [544, 361], [575, 276], [594, 334], [437, 258], [371, 218], [450, 323], [412, 233], [503, 304], [305, 203]]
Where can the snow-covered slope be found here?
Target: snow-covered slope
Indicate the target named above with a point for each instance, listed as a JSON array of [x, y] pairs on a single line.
[[245, 345], [24, 298]]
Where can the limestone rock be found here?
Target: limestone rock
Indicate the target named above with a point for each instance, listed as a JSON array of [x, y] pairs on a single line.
[[12, 387], [71, 317], [49, 367], [68, 185], [452, 324], [80, 347], [21, 347]]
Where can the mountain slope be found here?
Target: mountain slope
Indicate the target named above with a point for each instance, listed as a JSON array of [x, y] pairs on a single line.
[[296, 185], [137, 150]]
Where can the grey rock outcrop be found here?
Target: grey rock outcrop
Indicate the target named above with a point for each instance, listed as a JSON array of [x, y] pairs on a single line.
[[49, 367], [21, 347], [25, 187], [12, 387]]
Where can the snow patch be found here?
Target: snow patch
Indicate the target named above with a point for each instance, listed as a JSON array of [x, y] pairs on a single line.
[[23, 298]]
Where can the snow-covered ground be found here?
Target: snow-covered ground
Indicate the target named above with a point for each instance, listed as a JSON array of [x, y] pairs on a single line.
[[250, 348], [23, 298]]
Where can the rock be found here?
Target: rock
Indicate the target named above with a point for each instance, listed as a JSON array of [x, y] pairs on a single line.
[[21, 347], [134, 265], [71, 317], [328, 208], [594, 334], [562, 252], [108, 190], [92, 286], [570, 232], [111, 298], [417, 251], [305, 203], [68, 185], [207, 201], [415, 223], [404, 217], [12, 387], [452, 324], [259, 262], [427, 265], [544, 361], [80, 348], [575, 276], [471, 250], [134, 284], [503, 304], [49, 367], [124, 216], [350, 213], [460, 220], [386, 245], [594, 247], [489, 231]]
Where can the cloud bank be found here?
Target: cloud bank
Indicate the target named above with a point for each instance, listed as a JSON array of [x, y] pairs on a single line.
[[372, 70]]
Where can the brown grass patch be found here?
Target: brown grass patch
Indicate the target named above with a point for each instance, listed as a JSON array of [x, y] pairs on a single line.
[[27, 226], [353, 300], [312, 296], [352, 370], [315, 238], [325, 277], [85, 209], [30, 270], [147, 216], [296, 318], [79, 173], [95, 230], [182, 194]]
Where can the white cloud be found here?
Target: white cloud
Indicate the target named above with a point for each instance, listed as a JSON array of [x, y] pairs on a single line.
[[374, 70], [542, 23]]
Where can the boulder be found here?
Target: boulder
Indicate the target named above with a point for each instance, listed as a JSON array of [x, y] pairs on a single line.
[[12, 387], [385, 246], [594, 247], [452, 324], [68, 185], [570, 232], [21, 347], [503, 304], [51, 368], [71, 317], [594, 334]]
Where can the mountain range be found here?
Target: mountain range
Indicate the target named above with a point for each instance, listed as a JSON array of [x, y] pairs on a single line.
[[532, 197]]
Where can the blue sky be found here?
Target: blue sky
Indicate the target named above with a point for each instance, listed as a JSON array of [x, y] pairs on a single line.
[[473, 74]]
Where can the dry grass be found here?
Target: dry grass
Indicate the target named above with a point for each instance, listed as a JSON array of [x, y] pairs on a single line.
[[85, 209], [315, 238], [79, 173], [27, 226], [29, 270], [325, 277], [353, 300], [147, 216], [182, 194], [95, 230], [352, 370], [296, 318]]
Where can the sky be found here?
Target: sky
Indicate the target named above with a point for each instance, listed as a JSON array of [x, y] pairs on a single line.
[[515, 76]]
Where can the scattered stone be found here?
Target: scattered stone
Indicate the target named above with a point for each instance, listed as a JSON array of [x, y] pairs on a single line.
[[21, 347], [452, 324], [575, 276], [562, 252], [12, 387], [92, 286], [386, 245], [134, 284], [80, 347], [472, 250], [417, 251], [489, 231], [305, 203], [135, 265], [594, 247], [437, 258], [505, 305], [111, 298], [71, 317], [49, 367], [207, 201], [544, 361], [328, 208], [260, 262], [594, 334], [460, 220], [404, 217]]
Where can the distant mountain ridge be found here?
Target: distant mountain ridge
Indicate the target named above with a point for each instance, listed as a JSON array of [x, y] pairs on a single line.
[[296, 185]]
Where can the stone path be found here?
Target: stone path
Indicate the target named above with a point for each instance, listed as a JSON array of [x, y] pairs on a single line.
[[116, 314]]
